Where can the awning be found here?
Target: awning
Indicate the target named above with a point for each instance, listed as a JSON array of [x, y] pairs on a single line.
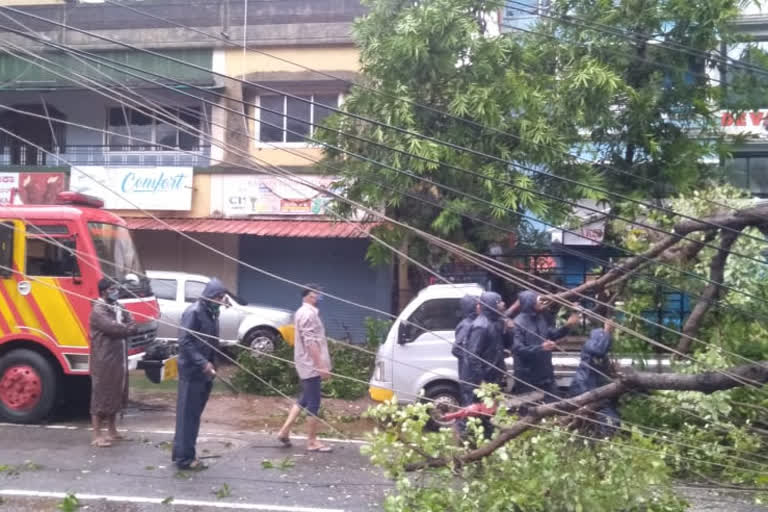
[[276, 228]]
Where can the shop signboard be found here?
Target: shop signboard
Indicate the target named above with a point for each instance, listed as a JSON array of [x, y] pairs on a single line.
[[132, 188]]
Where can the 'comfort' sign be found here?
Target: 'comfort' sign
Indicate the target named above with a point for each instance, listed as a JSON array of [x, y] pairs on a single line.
[[131, 188]]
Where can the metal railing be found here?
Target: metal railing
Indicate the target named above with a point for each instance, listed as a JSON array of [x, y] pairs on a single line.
[[108, 156]]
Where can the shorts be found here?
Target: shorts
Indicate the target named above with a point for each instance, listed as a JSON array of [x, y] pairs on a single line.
[[310, 395]]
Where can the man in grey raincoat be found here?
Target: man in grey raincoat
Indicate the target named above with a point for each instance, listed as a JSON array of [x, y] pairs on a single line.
[[533, 340], [198, 344]]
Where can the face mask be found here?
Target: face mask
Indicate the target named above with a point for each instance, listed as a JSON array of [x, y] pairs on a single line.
[[214, 307], [113, 295]]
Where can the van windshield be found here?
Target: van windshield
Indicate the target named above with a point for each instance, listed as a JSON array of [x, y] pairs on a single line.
[[115, 249]]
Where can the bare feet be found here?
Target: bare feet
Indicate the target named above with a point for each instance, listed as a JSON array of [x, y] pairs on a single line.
[[101, 442]]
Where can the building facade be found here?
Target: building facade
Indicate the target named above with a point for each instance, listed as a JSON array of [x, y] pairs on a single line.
[[204, 148]]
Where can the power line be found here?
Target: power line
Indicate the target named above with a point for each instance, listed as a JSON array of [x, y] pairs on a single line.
[[372, 121], [387, 95], [646, 319], [648, 339], [431, 182]]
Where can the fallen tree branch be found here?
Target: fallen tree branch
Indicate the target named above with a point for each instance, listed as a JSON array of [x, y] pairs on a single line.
[[706, 382], [710, 294], [755, 216]]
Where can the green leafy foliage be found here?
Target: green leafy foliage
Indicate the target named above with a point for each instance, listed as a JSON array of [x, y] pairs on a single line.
[[70, 503], [543, 470], [223, 492]]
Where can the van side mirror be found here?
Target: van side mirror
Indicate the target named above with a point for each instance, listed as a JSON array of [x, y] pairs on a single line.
[[403, 333]]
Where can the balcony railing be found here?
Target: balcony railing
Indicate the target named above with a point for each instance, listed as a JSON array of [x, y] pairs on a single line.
[[108, 156]]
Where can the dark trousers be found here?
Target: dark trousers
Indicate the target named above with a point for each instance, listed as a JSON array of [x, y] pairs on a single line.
[[190, 402]]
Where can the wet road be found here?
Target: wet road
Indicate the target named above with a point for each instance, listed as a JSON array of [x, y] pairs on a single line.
[[42, 464]]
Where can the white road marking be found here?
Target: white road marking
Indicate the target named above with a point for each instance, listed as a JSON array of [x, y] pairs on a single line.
[[171, 432], [158, 501]]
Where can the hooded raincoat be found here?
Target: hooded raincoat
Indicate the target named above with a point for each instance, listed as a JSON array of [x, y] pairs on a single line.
[[468, 305], [533, 366], [486, 343], [198, 343], [594, 367], [110, 325]]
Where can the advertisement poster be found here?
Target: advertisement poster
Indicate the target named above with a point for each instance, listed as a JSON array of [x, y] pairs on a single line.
[[245, 195], [31, 187]]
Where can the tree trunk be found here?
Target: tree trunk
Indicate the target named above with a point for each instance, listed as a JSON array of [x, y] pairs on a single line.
[[404, 292], [710, 294]]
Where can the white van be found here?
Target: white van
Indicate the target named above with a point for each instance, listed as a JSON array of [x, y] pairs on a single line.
[[412, 361]]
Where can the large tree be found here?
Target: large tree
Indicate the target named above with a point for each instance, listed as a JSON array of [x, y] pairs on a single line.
[[532, 99]]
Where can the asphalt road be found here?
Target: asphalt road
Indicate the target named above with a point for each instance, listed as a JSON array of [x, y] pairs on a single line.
[[41, 464]]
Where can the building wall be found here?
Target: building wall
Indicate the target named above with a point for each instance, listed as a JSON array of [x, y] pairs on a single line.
[[290, 76], [166, 250], [337, 265]]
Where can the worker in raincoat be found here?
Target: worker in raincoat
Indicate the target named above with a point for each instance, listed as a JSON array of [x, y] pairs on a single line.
[[110, 325], [468, 305], [484, 344], [533, 340], [198, 345], [593, 372]]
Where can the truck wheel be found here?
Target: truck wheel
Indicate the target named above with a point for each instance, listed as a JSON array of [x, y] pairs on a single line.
[[261, 339], [27, 386], [445, 399]]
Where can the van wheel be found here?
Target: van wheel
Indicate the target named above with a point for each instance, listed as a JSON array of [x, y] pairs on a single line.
[[261, 339], [445, 399], [28, 384]]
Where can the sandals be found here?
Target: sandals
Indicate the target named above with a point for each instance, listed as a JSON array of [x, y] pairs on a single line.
[[101, 443], [195, 465], [321, 449], [286, 441]]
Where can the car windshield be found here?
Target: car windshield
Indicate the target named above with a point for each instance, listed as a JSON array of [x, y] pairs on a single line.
[[115, 249]]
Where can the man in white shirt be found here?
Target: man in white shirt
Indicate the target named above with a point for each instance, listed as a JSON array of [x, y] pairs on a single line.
[[313, 364]]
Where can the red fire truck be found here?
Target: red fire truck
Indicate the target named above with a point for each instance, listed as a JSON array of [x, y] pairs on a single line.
[[46, 294]]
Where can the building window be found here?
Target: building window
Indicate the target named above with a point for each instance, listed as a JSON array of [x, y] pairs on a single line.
[[133, 130], [750, 173], [283, 119]]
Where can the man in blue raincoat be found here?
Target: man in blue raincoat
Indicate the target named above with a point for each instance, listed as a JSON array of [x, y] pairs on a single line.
[[593, 372], [468, 305], [533, 340], [484, 344], [198, 344]]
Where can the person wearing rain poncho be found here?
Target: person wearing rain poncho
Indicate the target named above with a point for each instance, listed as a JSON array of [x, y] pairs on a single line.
[[533, 340], [198, 344], [484, 343], [593, 372]]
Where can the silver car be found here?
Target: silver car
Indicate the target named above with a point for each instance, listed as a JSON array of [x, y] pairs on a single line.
[[258, 327]]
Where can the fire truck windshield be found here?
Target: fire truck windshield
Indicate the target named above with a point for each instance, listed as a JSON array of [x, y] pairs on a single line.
[[115, 249]]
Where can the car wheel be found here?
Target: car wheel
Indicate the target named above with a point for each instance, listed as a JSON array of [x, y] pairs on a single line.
[[28, 384], [261, 339], [445, 399]]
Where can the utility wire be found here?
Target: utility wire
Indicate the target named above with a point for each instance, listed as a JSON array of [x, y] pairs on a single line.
[[420, 178], [375, 122]]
